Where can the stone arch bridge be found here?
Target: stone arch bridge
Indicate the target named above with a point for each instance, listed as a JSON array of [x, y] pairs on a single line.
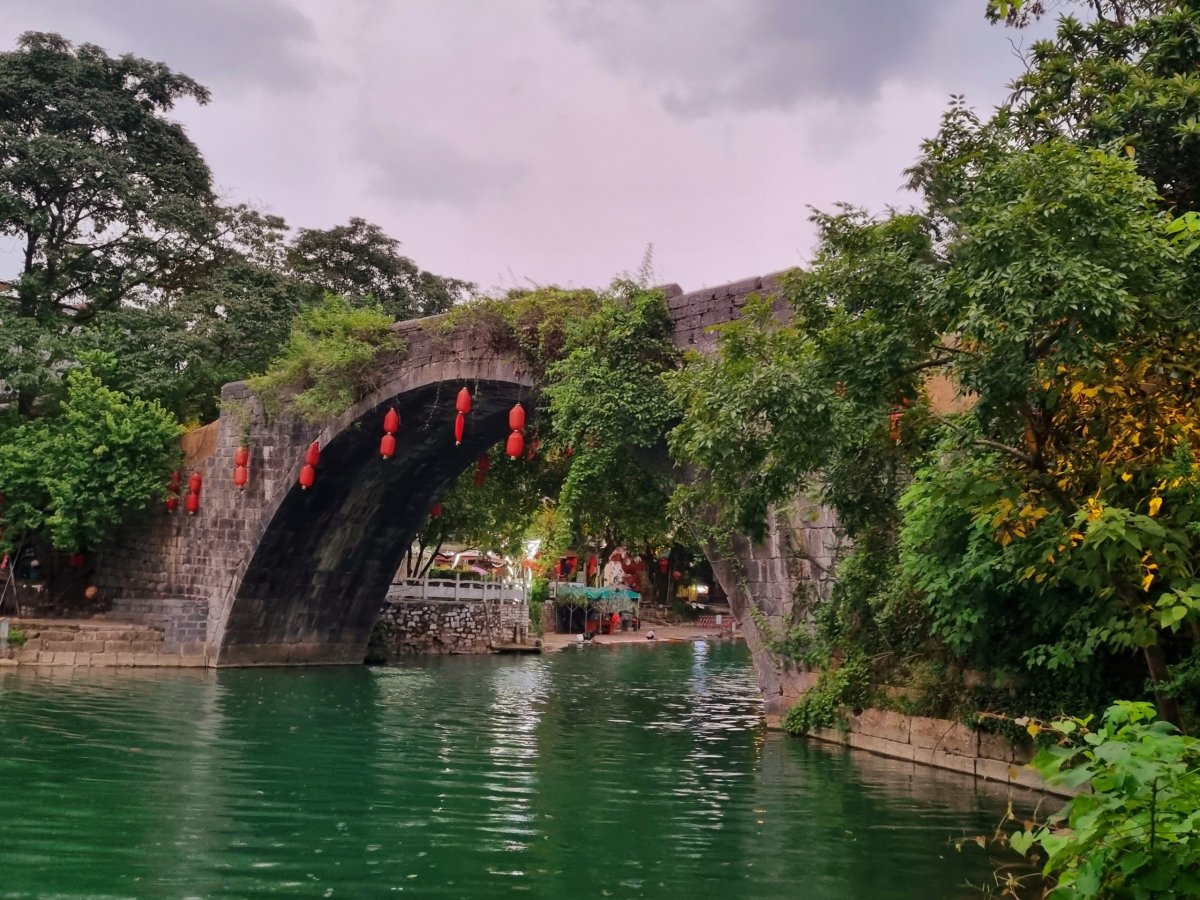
[[277, 575]]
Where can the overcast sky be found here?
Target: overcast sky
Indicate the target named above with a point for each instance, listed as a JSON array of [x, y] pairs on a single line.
[[517, 141]]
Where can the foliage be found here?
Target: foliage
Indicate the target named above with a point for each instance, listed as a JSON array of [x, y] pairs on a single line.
[[530, 324], [331, 359], [607, 402], [1136, 833], [108, 199], [361, 263], [837, 687], [75, 476], [16, 638]]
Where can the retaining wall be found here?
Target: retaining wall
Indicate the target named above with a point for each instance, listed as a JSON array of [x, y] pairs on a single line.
[[416, 627]]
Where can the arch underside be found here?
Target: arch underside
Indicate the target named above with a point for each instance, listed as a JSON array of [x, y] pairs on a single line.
[[318, 577]]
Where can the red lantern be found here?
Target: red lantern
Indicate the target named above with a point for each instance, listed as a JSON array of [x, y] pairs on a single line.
[[312, 455], [307, 476], [460, 425], [516, 417], [592, 565], [516, 445], [192, 504], [435, 511], [240, 476], [391, 422], [463, 402], [677, 575], [172, 503], [194, 483], [481, 469], [663, 565], [387, 446], [173, 483], [76, 560], [241, 456]]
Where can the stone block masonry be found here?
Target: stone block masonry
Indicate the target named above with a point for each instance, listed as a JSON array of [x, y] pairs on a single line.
[[424, 627]]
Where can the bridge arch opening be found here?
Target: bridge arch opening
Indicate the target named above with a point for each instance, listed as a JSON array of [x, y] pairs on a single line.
[[316, 581]]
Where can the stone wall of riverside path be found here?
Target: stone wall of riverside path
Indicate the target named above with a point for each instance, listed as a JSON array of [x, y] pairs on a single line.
[[433, 627]]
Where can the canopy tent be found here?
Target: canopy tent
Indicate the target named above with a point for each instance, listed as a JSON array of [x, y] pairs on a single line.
[[611, 599]]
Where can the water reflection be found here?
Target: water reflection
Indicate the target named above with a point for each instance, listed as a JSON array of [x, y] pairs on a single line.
[[635, 772]]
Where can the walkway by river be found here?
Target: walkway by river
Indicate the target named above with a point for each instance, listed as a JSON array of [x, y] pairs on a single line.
[[632, 771]]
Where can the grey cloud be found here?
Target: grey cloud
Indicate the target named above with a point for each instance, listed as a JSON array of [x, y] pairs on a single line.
[[221, 43], [427, 169], [705, 56]]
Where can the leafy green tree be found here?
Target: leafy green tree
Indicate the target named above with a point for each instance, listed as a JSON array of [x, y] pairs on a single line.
[[107, 198], [76, 476], [607, 403], [363, 264], [1135, 834]]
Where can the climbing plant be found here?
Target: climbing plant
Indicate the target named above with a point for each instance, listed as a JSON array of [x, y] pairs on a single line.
[[331, 359]]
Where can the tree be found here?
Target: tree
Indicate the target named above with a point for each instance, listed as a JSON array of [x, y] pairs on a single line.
[[108, 198], [362, 263], [74, 477]]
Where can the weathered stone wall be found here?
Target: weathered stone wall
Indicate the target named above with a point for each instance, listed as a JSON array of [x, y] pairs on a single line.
[[941, 743], [416, 627], [791, 568], [93, 642]]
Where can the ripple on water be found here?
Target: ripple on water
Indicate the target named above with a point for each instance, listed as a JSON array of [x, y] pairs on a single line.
[[643, 772]]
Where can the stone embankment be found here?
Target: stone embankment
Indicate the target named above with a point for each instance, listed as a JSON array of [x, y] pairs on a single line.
[[410, 627], [92, 642]]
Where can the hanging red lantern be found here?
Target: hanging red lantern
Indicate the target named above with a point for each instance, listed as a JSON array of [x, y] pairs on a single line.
[[481, 469], [663, 565], [592, 565], [387, 446], [307, 476], [516, 445], [460, 425], [312, 455], [435, 511], [677, 575], [516, 417], [76, 560], [194, 483], [173, 483], [241, 456], [172, 503], [241, 475], [192, 504], [391, 422], [463, 402]]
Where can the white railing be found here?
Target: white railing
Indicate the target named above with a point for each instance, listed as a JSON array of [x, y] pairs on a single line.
[[459, 588]]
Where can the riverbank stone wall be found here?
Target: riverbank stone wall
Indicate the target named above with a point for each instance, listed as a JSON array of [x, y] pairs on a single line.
[[433, 627]]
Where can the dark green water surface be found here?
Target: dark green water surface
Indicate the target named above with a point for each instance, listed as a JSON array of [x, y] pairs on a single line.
[[639, 771]]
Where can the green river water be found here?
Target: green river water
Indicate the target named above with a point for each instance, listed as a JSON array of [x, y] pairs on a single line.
[[635, 771]]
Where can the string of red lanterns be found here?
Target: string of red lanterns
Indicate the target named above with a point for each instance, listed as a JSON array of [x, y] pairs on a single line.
[[241, 467], [463, 406], [192, 502], [516, 440], [391, 424], [308, 473], [172, 503]]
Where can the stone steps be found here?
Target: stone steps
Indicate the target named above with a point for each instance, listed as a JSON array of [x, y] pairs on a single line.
[[93, 642]]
